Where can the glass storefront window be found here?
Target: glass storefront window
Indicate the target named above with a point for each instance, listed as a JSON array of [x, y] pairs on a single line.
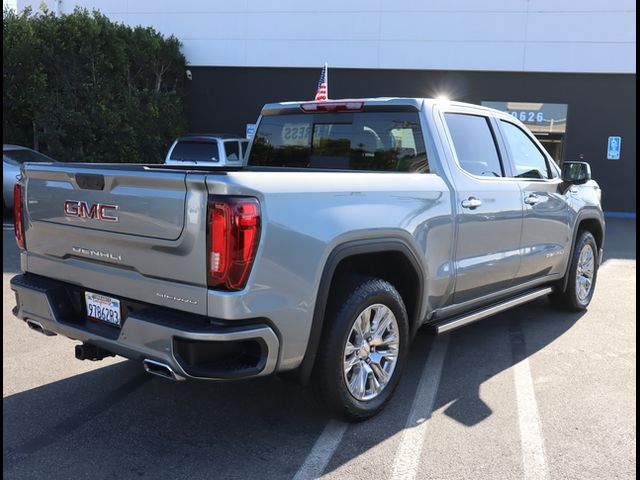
[[541, 118], [547, 121]]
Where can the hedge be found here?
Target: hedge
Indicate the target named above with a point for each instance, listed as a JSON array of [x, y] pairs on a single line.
[[80, 87]]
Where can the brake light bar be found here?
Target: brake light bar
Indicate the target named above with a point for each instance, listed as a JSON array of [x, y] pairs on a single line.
[[331, 106], [18, 225], [234, 231]]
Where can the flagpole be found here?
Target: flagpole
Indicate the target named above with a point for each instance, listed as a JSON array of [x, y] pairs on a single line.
[[326, 72]]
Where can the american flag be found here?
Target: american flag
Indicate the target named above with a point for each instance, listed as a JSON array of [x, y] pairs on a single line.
[[323, 87]]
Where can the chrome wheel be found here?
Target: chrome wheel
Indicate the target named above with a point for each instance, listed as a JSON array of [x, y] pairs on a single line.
[[371, 352], [585, 272]]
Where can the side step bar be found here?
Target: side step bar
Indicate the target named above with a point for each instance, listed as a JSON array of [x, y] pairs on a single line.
[[459, 321]]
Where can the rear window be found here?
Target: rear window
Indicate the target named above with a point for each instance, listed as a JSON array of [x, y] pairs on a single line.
[[232, 150], [22, 156], [474, 144], [377, 141], [187, 151]]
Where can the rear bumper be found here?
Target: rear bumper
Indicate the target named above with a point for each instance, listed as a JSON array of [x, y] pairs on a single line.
[[193, 346]]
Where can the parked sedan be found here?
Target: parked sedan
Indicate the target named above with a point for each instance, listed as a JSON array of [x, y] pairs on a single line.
[[214, 149], [13, 156]]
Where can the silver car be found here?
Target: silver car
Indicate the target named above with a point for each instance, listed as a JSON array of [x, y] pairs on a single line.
[[13, 156], [212, 149]]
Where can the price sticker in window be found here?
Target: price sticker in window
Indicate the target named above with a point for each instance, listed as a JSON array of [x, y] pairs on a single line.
[[296, 134]]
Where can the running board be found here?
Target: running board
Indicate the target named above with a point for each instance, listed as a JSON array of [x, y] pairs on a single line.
[[459, 321]]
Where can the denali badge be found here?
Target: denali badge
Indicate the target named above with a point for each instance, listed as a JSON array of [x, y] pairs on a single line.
[[97, 253], [177, 299], [98, 211]]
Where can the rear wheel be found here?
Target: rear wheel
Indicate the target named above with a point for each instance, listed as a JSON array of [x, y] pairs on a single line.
[[363, 349], [582, 273]]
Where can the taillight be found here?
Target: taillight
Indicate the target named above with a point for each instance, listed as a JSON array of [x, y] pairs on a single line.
[[18, 226], [234, 231], [330, 106]]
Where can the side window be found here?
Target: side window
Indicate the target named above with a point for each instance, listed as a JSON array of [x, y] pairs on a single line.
[[244, 144], [528, 160], [232, 150], [474, 144]]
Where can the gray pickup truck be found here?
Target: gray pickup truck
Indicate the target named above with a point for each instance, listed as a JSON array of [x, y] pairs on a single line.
[[354, 223]]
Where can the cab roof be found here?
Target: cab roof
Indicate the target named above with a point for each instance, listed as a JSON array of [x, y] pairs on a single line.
[[374, 103], [204, 137]]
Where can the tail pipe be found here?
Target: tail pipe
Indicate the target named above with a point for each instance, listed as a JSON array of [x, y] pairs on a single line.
[[37, 327], [160, 369]]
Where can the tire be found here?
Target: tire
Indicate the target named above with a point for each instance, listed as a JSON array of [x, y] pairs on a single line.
[[347, 312], [575, 298]]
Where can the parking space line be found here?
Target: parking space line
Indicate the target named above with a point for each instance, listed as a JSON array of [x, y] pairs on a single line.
[[322, 451], [407, 459], [533, 457], [531, 440]]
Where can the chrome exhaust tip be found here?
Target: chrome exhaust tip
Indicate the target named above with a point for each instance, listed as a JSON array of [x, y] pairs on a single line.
[[160, 369], [37, 327]]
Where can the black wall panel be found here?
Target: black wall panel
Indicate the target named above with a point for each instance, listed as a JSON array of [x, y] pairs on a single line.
[[224, 99]]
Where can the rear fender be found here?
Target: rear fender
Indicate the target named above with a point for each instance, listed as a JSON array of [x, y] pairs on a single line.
[[338, 254]]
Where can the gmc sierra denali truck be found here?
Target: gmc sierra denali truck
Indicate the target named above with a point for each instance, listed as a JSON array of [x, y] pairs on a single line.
[[354, 223]]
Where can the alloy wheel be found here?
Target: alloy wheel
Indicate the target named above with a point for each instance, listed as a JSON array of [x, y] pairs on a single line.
[[371, 352]]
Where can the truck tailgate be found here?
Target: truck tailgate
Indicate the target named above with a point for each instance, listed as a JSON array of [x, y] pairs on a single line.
[[147, 205], [145, 246]]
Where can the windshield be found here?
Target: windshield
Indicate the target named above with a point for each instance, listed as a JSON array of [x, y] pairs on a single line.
[[378, 141], [187, 151], [18, 157]]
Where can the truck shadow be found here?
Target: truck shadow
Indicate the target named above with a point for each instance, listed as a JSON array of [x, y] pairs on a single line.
[[116, 422], [476, 354]]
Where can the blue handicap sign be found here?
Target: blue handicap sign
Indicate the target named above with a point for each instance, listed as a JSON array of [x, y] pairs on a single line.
[[613, 148], [250, 130]]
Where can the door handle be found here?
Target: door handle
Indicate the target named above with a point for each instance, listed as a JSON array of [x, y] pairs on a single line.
[[532, 199], [471, 202]]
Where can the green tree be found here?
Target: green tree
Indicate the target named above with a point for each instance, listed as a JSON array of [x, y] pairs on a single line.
[[80, 87]]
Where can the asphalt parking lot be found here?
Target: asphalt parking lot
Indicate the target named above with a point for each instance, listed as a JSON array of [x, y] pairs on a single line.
[[532, 393]]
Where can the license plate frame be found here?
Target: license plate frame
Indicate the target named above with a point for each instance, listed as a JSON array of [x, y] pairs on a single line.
[[103, 309]]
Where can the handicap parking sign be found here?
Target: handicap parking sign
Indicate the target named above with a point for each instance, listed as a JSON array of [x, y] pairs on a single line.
[[250, 130], [613, 148]]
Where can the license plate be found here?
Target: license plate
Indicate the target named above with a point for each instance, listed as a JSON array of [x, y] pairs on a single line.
[[103, 308]]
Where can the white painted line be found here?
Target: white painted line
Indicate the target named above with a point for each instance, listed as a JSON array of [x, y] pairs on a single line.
[[322, 451], [407, 459], [532, 442], [618, 262]]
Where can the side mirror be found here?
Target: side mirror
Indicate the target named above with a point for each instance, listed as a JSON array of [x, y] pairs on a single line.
[[576, 172]]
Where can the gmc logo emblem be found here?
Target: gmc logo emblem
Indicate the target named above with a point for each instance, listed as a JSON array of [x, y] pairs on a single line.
[[98, 211]]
